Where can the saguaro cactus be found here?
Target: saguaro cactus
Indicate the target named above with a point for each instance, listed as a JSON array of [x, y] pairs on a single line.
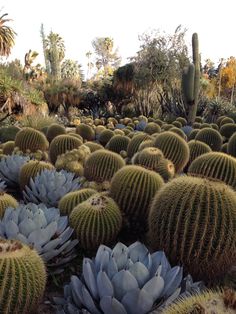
[[191, 81]]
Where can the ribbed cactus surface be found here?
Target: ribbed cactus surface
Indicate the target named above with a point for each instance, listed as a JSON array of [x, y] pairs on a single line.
[[96, 221], [211, 137], [22, 280], [86, 131], [194, 221], [118, 143], [6, 200]]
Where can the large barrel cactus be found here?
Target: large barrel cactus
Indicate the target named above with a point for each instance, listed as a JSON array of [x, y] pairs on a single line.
[[194, 221], [101, 165], [174, 148], [125, 280], [133, 188], [44, 229], [22, 280], [211, 137], [50, 186], [10, 169], [72, 199], [61, 144], [29, 139], [216, 166], [96, 221]]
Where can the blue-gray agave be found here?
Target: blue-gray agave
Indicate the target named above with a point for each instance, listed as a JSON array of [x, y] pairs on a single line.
[[50, 186], [10, 169], [44, 229], [2, 185], [125, 280]]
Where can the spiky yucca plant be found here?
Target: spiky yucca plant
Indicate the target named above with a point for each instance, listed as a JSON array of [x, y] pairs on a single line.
[[127, 280], [194, 221], [97, 220], [23, 278]]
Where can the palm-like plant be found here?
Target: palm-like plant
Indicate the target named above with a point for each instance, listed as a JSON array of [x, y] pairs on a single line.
[[7, 36], [55, 53]]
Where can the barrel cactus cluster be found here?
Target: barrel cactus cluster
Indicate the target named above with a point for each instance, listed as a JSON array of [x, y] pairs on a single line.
[[140, 213]]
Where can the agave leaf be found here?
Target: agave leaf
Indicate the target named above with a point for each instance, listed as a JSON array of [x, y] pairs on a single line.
[[112, 268], [137, 252], [104, 285], [51, 245], [21, 238], [137, 301], [89, 277], [172, 280], [66, 234], [154, 287], [42, 236], [11, 214], [27, 226], [71, 245], [102, 257], [111, 305], [123, 282], [140, 272], [172, 298], [62, 224], [88, 301], [76, 290], [11, 229], [120, 254], [71, 309], [52, 214], [24, 212]]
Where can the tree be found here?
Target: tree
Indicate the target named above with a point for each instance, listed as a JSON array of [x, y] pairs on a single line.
[[70, 69], [47, 64], [55, 52], [7, 36], [107, 57], [90, 64], [229, 76]]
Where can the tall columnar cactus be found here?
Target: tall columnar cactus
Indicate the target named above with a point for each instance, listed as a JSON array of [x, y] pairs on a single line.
[[191, 81], [96, 221], [101, 165], [215, 166], [30, 170], [69, 201], [29, 139], [22, 280], [133, 188], [61, 144], [6, 200], [174, 148], [194, 221]]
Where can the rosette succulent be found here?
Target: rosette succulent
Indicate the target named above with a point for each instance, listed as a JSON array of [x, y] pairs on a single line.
[[10, 169], [50, 186], [44, 229], [124, 280]]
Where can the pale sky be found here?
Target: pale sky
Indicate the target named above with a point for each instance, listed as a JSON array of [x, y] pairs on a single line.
[[78, 22]]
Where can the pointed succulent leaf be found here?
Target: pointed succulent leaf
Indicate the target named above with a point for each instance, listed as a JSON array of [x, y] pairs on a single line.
[[172, 280], [89, 275], [51, 245], [26, 226], [104, 285], [111, 305], [154, 287], [76, 290], [62, 224], [67, 233], [120, 254], [122, 282], [88, 301], [137, 301], [11, 229], [140, 272], [137, 252], [112, 268], [102, 257]]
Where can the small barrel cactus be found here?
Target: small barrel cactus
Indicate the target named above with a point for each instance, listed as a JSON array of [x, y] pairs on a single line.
[[61, 144], [101, 165], [180, 132], [226, 120], [93, 146], [118, 143], [55, 129], [31, 139], [22, 280], [8, 133], [30, 170], [227, 130], [182, 120], [135, 142], [177, 124], [196, 149], [125, 280], [85, 131], [8, 147], [211, 137], [50, 186], [10, 169], [193, 134], [6, 200], [44, 229], [194, 221], [105, 136], [96, 221], [151, 128], [216, 166], [133, 188], [69, 201], [174, 148]]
